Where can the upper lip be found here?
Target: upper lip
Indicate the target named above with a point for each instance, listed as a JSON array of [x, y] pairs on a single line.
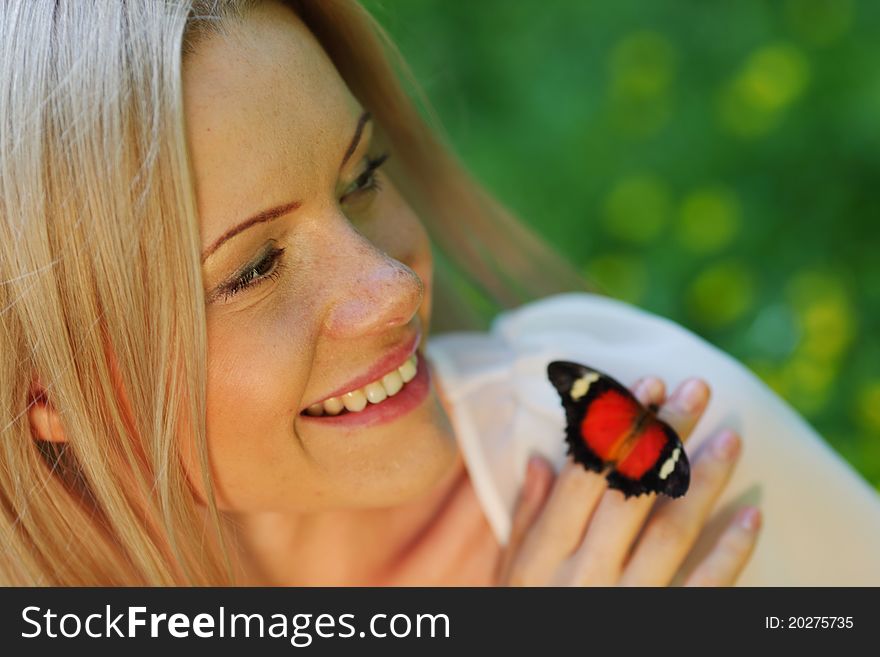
[[394, 358]]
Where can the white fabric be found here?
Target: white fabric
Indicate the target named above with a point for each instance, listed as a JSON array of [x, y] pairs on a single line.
[[821, 519]]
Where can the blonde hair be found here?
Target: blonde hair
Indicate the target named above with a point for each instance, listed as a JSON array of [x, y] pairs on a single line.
[[101, 300]]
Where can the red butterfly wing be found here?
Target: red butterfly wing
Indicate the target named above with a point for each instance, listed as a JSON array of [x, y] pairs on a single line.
[[645, 453], [609, 418], [655, 463]]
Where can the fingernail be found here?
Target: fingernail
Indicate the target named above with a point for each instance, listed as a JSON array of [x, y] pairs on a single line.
[[650, 389], [749, 518], [693, 394], [532, 469], [726, 445]]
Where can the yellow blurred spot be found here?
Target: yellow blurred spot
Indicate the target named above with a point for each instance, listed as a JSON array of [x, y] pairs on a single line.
[[809, 375], [709, 219], [808, 384], [825, 313], [772, 78], [819, 22], [642, 66], [769, 374], [637, 209], [721, 294], [621, 275], [868, 407], [775, 76], [828, 328]]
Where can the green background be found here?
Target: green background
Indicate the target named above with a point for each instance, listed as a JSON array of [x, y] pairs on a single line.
[[717, 163]]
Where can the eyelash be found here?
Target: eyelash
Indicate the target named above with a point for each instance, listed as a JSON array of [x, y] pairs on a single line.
[[248, 278], [367, 181]]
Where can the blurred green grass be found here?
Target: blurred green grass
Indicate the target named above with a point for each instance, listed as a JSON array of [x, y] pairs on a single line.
[[714, 162]]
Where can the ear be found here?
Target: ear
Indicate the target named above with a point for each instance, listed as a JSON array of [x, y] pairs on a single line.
[[43, 416]]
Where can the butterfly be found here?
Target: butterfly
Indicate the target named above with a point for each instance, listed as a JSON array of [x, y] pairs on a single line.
[[608, 427]]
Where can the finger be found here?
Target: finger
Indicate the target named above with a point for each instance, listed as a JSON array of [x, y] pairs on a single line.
[[650, 390], [725, 562], [598, 559], [675, 524], [560, 527], [686, 406], [538, 482]]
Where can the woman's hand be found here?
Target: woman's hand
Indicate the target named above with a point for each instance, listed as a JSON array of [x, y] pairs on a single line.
[[572, 530]]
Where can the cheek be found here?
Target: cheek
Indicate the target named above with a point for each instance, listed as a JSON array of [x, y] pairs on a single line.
[[257, 375]]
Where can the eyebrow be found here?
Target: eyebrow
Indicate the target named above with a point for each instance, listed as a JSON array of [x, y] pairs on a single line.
[[352, 147], [274, 213]]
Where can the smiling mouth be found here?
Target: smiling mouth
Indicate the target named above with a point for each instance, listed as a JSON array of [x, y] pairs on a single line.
[[375, 392]]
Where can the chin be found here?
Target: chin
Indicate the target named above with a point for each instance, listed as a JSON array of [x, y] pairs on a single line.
[[434, 468], [426, 454], [414, 459]]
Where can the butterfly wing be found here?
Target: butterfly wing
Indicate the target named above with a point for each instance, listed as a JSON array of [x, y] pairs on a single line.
[[607, 426], [655, 463], [599, 412]]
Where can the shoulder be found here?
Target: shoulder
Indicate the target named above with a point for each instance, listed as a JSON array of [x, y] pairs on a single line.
[[504, 408], [578, 310], [611, 335], [573, 319]]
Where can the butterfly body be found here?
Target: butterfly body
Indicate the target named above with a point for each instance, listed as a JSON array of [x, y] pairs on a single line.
[[607, 428]]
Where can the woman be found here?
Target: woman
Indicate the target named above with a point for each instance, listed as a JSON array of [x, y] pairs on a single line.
[[217, 288]]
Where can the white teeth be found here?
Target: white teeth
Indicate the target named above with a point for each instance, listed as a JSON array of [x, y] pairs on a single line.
[[408, 370], [373, 393], [355, 401], [392, 382]]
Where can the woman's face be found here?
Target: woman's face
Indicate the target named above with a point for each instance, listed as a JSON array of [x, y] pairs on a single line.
[[318, 282]]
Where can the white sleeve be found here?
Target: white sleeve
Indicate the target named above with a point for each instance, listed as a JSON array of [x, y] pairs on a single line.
[[821, 519]]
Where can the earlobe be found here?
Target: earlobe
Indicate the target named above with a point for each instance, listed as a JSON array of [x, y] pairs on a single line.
[[44, 418]]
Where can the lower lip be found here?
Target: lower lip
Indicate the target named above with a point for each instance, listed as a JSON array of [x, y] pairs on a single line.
[[411, 395]]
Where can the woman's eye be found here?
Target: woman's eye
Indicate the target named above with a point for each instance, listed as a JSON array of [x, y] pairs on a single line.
[[270, 265], [266, 268], [367, 181]]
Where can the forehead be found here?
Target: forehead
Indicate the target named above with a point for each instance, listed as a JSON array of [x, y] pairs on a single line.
[[264, 107]]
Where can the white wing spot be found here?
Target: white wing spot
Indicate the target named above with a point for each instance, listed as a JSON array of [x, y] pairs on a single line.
[[667, 468], [582, 385]]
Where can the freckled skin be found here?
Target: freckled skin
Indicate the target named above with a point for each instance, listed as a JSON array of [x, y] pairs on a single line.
[[269, 120]]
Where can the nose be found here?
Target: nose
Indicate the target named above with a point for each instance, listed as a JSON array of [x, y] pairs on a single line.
[[370, 292]]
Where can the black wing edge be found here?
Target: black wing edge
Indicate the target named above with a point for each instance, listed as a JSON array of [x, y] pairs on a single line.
[[562, 375]]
